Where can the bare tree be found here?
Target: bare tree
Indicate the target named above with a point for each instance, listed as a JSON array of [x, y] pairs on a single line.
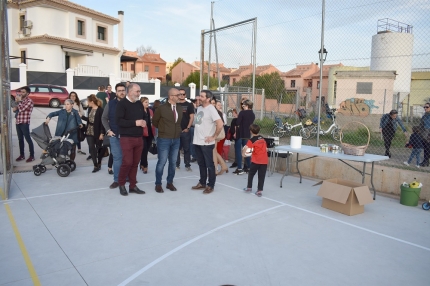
[[145, 50]]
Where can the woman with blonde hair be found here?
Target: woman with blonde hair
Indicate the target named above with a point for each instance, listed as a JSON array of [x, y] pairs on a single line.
[[78, 107], [95, 130], [148, 134], [217, 156]]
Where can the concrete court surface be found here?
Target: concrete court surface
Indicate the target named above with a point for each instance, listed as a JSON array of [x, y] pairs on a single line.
[[76, 231]]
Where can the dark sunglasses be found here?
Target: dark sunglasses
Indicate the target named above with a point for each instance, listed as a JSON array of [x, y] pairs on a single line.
[[426, 107], [182, 94]]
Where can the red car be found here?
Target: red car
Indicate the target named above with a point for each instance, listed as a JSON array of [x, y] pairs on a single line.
[[46, 94]]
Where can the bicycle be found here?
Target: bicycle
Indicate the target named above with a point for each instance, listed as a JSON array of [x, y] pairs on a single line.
[[334, 129], [281, 129]]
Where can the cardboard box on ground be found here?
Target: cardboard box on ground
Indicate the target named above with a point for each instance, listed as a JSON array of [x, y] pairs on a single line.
[[344, 196]]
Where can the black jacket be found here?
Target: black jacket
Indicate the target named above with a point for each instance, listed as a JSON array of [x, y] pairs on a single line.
[[98, 126]]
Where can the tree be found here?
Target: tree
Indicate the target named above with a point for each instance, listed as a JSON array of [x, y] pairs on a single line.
[[175, 63], [273, 86], [195, 78], [145, 50]]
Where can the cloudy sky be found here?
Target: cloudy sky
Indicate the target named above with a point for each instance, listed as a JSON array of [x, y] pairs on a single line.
[[288, 31]]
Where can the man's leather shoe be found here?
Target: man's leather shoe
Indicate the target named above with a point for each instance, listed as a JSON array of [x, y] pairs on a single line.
[[123, 191], [199, 187], [208, 190], [159, 189], [171, 187], [114, 185], [136, 190]]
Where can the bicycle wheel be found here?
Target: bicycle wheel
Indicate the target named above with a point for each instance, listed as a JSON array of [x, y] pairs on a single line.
[[336, 133], [305, 133], [278, 132], [313, 131]]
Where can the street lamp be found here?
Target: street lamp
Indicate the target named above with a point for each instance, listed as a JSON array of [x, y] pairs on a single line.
[[323, 56]]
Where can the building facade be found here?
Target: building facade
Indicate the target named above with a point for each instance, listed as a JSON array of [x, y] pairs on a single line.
[[61, 35]]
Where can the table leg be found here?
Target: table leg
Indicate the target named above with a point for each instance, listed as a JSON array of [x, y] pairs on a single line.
[[286, 170], [297, 166], [371, 182], [363, 175]]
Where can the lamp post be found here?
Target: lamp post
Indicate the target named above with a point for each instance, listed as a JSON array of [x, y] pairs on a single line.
[[322, 55]]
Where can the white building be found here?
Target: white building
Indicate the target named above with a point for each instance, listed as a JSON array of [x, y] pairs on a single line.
[[64, 35]]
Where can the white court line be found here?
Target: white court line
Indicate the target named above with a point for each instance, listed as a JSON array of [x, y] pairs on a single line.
[[343, 222], [75, 192], [158, 260]]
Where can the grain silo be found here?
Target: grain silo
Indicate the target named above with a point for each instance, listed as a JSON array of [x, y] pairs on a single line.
[[392, 49]]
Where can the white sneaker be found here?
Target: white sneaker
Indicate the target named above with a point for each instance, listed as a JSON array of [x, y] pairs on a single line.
[[418, 166], [406, 163], [188, 169]]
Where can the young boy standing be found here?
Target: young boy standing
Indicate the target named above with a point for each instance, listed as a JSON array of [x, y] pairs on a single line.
[[259, 159], [417, 145]]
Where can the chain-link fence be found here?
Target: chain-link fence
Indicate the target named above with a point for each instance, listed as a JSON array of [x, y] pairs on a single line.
[[378, 60]]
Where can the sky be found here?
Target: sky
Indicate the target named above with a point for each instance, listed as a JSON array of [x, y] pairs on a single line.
[[288, 31]]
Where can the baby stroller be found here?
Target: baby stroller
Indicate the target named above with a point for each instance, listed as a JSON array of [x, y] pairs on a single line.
[[56, 151]]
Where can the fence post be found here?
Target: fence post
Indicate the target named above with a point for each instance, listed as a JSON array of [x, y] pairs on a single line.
[[263, 98], [113, 80], [70, 74], [23, 74], [192, 87], [157, 83], [407, 110]]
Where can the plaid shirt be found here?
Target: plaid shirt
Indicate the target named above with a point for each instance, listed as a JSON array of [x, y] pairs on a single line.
[[25, 107]]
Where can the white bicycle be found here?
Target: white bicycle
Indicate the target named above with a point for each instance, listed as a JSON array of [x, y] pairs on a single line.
[[334, 130]]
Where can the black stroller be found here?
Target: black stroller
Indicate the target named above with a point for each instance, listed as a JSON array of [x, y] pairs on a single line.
[[56, 151]]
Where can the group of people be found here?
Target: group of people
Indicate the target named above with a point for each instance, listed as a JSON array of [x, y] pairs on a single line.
[[418, 141], [198, 128]]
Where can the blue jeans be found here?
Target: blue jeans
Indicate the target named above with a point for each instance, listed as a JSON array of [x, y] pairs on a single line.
[[206, 164], [167, 150], [415, 154], [192, 149], [238, 145], [23, 131], [115, 149], [185, 144]]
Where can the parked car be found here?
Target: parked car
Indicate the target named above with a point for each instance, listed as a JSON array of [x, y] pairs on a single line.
[[46, 94]]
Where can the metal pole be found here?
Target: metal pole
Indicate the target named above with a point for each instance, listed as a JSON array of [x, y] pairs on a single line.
[[407, 111], [210, 45], [321, 70], [254, 58], [5, 114], [262, 104], [202, 56], [216, 58], [383, 107]]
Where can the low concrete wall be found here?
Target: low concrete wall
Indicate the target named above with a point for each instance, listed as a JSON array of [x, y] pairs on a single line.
[[385, 179]]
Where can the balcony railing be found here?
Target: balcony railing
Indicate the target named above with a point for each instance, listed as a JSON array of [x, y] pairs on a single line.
[[85, 70]]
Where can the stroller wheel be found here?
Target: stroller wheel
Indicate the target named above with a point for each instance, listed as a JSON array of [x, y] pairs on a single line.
[[37, 171], [426, 206], [42, 169], [63, 170], [71, 164]]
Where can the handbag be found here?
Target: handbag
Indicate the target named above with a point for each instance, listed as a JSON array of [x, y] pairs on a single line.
[[153, 148], [221, 135], [82, 133]]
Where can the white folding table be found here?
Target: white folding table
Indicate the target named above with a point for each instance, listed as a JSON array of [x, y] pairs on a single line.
[[316, 152]]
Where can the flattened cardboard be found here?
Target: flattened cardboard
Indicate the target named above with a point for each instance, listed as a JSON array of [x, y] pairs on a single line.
[[344, 196]]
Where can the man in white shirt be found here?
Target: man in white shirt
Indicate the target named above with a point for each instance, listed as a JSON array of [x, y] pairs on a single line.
[[208, 125]]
